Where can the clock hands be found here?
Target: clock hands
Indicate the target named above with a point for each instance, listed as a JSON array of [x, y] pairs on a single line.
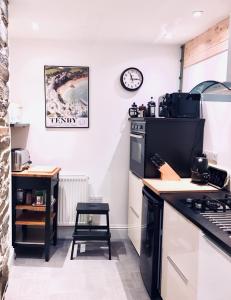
[[132, 79], [131, 76]]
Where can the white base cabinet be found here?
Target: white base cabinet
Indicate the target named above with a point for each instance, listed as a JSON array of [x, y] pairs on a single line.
[[214, 272], [180, 248], [135, 210], [193, 267]]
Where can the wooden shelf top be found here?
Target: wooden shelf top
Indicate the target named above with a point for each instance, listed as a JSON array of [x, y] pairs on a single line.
[[32, 219], [27, 173]]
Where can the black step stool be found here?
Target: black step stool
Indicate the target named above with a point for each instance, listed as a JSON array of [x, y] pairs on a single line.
[[92, 232]]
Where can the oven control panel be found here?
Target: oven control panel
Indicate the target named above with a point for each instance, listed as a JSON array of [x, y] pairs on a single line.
[[138, 126]]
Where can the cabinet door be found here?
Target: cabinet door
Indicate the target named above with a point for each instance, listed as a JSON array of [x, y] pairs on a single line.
[[180, 254], [135, 193], [214, 272], [135, 210], [175, 286], [134, 229]]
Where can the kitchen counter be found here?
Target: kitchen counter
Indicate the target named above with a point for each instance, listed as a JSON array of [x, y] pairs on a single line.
[[219, 237], [175, 194], [159, 186]]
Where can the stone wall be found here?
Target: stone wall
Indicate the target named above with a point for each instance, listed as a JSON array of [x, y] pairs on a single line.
[[4, 149]]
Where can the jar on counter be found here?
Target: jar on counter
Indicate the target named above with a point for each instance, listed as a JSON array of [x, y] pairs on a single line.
[[20, 196], [29, 197]]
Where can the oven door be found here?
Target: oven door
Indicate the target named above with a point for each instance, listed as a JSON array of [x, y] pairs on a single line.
[[137, 148]]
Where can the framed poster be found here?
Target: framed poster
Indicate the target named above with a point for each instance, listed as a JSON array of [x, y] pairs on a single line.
[[66, 96]]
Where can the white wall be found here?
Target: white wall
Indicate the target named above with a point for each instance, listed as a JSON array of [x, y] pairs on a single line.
[[214, 68], [102, 151], [216, 114]]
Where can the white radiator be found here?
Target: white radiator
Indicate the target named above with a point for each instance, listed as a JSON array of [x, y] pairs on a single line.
[[72, 189]]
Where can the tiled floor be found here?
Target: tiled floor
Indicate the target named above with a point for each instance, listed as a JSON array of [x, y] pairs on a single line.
[[90, 276]]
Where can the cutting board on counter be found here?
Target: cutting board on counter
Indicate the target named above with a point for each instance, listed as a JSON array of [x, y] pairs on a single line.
[[183, 185]]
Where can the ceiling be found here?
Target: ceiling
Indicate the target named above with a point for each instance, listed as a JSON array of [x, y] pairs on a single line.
[[132, 21]]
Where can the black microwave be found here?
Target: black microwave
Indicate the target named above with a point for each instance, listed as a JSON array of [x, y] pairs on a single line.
[[179, 105]]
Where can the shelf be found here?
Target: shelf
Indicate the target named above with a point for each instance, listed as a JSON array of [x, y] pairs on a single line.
[[32, 242], [30, 207], [19, 125], [91, 235], [34, 236], [33, 207], [37, 219], [25, 173]]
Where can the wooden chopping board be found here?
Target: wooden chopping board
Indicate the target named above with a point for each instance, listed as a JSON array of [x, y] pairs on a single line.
[[159, 186]]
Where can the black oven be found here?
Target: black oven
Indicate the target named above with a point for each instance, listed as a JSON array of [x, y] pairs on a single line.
[[177, 141], [137, 148]]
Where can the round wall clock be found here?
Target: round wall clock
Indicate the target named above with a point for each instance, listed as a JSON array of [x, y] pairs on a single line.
[[131, 79]]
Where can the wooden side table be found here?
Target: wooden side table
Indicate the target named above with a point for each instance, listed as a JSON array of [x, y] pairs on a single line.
[[30, 216]]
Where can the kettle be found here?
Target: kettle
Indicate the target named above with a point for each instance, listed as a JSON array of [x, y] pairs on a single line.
[[199, 170]]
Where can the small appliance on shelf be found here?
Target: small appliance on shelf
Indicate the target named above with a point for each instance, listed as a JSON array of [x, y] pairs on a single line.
[[20, 159], [179, 105]]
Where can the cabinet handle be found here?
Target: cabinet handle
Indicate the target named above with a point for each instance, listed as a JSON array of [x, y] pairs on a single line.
[[137, 136], [135, 213], [177, 270], [218, 249]]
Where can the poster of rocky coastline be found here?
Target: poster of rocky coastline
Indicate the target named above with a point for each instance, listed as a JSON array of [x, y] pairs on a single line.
[[67, 97]]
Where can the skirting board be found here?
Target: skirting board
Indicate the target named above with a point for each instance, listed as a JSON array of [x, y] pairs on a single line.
[[117, 232]]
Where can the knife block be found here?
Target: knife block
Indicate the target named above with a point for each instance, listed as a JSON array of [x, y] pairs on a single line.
[[167, 173]]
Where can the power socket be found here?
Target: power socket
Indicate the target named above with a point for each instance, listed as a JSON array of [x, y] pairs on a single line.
[[212, 156]]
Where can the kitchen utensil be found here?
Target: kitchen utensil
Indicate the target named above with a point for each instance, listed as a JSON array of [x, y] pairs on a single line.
[[142, 111], [151, 108], [133, 111]]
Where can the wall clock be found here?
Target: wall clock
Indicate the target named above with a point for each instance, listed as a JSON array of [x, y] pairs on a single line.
[[131, 79]]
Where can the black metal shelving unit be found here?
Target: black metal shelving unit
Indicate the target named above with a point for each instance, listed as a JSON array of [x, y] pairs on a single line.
[[34, 225]]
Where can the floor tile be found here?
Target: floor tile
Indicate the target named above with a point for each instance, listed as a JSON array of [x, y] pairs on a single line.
[[89, 276]]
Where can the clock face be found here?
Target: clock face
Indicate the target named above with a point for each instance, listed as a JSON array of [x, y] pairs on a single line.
[[131, 79]]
